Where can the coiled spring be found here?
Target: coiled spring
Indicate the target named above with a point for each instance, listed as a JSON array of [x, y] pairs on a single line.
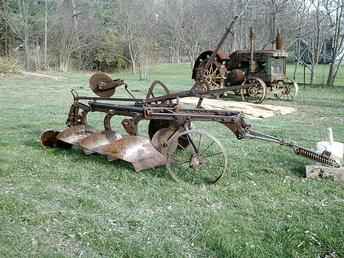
[[317, 157]]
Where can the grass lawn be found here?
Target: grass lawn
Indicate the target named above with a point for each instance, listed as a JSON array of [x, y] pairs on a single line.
[[321, 73], [60, 203]]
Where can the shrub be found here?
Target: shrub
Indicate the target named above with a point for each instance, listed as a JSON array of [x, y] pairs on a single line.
[[8, 65]]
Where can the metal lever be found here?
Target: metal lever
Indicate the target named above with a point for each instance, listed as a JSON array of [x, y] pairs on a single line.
[[128, 91], [74, 94]]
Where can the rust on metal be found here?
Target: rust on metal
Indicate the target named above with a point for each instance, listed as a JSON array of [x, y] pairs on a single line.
[[161, 138], [214, 69], [130, 126], [102, 84], [236, 76], [136, 150], [49, 139], [75, 134], [170, 132], [253, 65], [94, 141], [279, 41]]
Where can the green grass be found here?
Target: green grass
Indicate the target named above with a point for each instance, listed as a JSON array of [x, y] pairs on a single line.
[[58, 203], [321, 73]]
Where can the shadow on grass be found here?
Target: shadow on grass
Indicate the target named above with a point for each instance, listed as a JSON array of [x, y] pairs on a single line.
[[290, 166], [320, 104], [35, 144], [298, 170], [296, 164], [76, 155]]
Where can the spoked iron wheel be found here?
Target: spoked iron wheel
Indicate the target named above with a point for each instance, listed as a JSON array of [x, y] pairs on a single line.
[[256, 92], [210, 75], [202, 160], [287, 90], [158, 89]]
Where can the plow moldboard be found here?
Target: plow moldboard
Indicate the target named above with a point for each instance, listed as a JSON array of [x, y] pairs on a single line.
[[75, 134], [93, 142], [136, 150]]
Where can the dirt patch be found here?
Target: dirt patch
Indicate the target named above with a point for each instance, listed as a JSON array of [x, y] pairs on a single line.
[[249, 109], [41, 75]]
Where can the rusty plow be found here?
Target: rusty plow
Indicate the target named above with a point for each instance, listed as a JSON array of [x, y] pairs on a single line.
[[189, 154]]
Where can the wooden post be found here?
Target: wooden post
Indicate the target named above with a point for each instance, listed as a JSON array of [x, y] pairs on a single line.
[[304, 76]]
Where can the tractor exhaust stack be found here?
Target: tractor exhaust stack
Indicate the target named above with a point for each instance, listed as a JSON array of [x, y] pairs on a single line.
[[252, 50]]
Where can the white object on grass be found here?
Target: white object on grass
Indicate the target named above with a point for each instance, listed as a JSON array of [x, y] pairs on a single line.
[[336, 148]]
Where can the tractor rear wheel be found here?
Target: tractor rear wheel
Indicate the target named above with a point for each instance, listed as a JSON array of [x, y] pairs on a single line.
[[210, 75]]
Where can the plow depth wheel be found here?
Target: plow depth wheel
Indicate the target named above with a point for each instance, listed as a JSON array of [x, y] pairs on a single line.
[[256, 92], [202, 160]]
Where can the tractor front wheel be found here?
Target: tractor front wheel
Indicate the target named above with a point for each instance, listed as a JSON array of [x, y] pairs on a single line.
[[253, 90], [287, 90]]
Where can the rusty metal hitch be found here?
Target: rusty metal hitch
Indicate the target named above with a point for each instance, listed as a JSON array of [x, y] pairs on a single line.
[[324, 158]]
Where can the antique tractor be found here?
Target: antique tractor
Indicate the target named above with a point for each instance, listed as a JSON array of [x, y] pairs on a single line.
[[258, 72]]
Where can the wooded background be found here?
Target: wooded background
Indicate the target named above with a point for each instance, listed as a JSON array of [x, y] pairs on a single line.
[[106, 35]]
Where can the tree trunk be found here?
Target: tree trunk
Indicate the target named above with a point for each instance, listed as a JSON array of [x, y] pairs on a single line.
[[46, 36], [338, 42], [295, 70], [24, 13], [273, 29], [132, 58], [311, 80], [331, 75], [76, 31], [64, 62]]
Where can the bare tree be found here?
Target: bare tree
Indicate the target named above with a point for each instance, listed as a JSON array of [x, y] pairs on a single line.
[[46, 35], [335, 14], [275, 7], [81, 32], [67, 33], [24, 13]]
